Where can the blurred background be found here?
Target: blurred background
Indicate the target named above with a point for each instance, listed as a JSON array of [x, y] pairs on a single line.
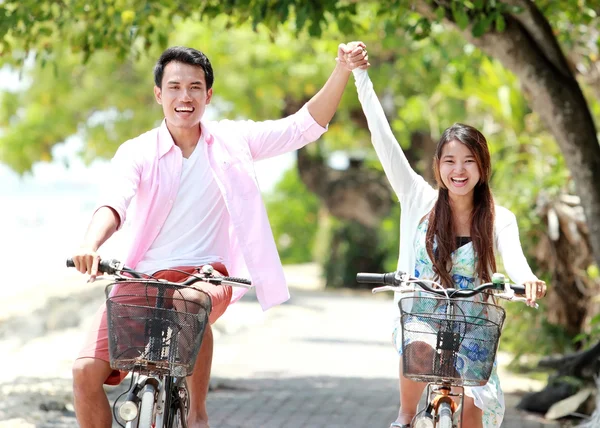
[[76, 81]]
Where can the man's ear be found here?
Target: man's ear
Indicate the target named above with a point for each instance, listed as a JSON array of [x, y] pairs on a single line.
[[209, 94], [158, 94]]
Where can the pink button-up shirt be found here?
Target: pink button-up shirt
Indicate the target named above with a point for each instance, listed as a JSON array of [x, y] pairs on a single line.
[[147, 171]]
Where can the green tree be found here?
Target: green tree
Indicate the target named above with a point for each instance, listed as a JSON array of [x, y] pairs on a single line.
[[294, 217], [267, 65], [517, 32]]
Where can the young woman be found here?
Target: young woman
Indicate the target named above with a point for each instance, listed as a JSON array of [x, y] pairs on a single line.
[[450, 234]]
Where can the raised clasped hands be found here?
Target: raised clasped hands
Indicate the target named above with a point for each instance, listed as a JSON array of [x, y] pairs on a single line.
[[353, 55]]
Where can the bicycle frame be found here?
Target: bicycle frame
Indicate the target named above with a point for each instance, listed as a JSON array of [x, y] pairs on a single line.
[[443, 403], [442, 397], [156, 396], [442, 394], [166, 388]]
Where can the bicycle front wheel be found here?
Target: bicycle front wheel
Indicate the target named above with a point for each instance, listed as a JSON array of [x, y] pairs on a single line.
[[182, 408], [444, 416], [147, 407]]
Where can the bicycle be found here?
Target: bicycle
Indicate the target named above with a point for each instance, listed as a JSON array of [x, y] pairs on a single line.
[[155, 330], [452, 327]]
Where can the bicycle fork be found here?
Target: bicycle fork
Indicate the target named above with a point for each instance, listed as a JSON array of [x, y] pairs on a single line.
[[441, 407], [130, 409]]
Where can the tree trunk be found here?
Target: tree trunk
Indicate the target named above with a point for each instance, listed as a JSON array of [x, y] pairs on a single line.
[[357, 194], [361, 198], [564, 251], [529, 49], [583, 365]]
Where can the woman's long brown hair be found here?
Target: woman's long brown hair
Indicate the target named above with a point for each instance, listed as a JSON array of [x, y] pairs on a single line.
[[441, 225]]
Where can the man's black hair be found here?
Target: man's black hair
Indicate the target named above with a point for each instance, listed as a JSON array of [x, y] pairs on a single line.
[[187, 56]]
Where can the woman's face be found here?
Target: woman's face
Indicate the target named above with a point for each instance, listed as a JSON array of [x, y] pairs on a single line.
[[458, 169]]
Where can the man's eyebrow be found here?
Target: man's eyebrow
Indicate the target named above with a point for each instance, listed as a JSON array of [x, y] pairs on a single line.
[[176, 82]]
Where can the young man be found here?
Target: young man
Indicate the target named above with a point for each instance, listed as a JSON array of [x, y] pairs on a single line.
[[196, 202]]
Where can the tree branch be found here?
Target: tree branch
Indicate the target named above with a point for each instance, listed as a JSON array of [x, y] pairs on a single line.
[[554, 93], [541, 33], [573, 364]]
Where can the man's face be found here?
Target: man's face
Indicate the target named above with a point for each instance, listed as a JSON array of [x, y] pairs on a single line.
[[183, 95]]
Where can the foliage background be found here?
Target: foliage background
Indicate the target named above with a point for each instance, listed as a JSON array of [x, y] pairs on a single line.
[[425, 73]]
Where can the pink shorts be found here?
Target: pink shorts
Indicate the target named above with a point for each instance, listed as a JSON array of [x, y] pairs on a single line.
[[96, 342]]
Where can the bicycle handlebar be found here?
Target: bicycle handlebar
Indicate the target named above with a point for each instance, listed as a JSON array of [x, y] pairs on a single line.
[[396, 279], [114, 267], [110, 267], [376, 278]]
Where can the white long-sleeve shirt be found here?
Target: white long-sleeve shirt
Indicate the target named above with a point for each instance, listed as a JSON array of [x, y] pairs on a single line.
[[417, 197]]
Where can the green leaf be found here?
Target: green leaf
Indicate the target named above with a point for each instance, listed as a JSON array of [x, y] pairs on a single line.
[[440, 13], [592, 269], [345, 24], [460, 17], [595, 319], [500, 23], [390, 28], [481, 27]]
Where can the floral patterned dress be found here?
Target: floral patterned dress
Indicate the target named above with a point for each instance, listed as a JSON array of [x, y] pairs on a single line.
[[489, 397]]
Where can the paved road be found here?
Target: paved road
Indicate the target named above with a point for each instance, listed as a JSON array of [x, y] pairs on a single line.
[[321, 360]]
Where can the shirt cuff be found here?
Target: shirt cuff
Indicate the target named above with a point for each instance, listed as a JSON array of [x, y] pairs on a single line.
[[359, 72], [309, 126], [120, 212]]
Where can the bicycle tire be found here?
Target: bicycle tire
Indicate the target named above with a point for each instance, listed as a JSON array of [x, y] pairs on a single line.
[[182, 410], [178, 423], [444, 416], [147, 407]]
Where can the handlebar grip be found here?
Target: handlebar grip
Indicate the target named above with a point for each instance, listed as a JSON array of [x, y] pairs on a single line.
[[105, 266], [234, 279], [518, 289], [376, 278]]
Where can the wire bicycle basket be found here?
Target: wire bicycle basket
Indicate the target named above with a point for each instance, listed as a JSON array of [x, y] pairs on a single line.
[[155, 327], [453, 340]]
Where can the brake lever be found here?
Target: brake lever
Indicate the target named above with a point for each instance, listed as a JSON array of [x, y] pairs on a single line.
[[509, 294], [395, 288]]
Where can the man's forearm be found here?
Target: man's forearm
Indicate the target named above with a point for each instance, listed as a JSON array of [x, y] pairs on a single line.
[[103, 225], [323, 104]]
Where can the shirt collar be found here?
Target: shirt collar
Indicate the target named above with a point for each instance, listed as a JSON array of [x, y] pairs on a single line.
[[165, 140]]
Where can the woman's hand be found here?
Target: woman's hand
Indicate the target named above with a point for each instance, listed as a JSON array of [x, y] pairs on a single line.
[[534, 290], [353, 55]]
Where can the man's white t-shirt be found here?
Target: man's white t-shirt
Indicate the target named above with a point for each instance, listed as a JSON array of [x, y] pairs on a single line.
[[196, 231]]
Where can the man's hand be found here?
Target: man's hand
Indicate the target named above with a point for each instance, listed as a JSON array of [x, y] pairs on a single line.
[[323, 105], [104, 223], [86, 261], [353, 55]]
